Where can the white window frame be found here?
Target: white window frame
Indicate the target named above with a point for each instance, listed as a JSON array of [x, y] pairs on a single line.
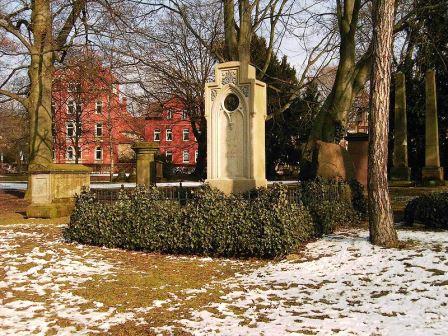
[[70, 149], [156, 135], [99, 104], [169, 114], [169, 134], [100, 150], [186, 132], [73, 87], [98, 126], [169, 155], [73, 109], [185, 156], [73, 129], [196, 153], [184, 115]]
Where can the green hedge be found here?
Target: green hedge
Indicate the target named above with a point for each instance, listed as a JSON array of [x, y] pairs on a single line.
[[431, 210], [333, 203], [265, 226]]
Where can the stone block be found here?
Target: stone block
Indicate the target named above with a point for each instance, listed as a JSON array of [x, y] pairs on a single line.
[[400, 174], [358, 147], [333, 161], [52, 189], [433, 174]]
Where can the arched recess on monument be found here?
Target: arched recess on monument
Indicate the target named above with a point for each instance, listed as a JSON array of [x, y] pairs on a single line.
[[231, 127]]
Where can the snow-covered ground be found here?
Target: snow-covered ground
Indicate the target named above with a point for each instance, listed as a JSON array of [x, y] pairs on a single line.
[[339, 285], [342, 285]]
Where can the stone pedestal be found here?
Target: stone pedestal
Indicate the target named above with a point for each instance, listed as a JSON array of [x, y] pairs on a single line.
[[235, 109], [432, 170], [146, 168], [358, 148], [52, 189], [400, 170], [159, 171]]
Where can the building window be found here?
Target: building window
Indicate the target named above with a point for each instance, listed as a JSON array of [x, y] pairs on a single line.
[[99, 107], [169, 114], [169, 156], [98, 153], [157, 135], [196, 156], [74, 87], [184, 115], [53, 108], [99, 130], [169, 134], [70, 153], [70, 129], [185, 156], [71, 107], [186, 134]]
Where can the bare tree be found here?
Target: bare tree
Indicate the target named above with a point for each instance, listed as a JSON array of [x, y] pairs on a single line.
[[381, 223], [38, 30]]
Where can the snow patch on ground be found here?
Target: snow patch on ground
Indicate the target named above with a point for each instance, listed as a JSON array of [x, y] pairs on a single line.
[[48, 274], [341, 285]]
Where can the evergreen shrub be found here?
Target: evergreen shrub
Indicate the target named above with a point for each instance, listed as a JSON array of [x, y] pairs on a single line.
[[334, 203], [266, 225], [431, 210]]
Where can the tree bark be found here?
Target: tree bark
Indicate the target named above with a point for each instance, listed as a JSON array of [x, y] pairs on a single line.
[[351, 76], [381, 225], [41, 77]]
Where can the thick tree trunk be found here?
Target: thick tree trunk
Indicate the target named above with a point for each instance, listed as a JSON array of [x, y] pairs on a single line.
[[41, 76], [351, 76], [381, 225]]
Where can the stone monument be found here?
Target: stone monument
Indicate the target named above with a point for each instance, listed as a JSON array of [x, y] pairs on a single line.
[[146, 168], [53, 187], [400, 170], [358, 148], [235, 109], [432, 170]]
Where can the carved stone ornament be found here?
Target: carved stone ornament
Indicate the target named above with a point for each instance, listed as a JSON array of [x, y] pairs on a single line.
[[229, 77], [213, 94], [245, 90]]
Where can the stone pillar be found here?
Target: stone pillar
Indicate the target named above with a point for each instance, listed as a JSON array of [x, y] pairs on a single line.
[[52, 188], [432, 170], [358, 148], [146, 169], [400, 170], [235, 109]]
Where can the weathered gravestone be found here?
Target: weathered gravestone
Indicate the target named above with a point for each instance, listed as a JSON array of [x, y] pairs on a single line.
[[432, 170], [235, 108], [400, 170], [52, 188]]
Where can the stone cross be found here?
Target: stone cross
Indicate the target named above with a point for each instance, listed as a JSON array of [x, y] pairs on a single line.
[[432, 170], [400, 170], [235, 109]]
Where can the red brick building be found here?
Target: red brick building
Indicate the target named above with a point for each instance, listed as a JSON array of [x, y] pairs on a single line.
[[169, 126], [91, 123]]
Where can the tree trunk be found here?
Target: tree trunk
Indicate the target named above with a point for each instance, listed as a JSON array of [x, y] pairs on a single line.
[[351, 77], [41, 76], [381, 225]]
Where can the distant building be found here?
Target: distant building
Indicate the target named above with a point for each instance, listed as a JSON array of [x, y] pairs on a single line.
[[91, 123], [169, 125]]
